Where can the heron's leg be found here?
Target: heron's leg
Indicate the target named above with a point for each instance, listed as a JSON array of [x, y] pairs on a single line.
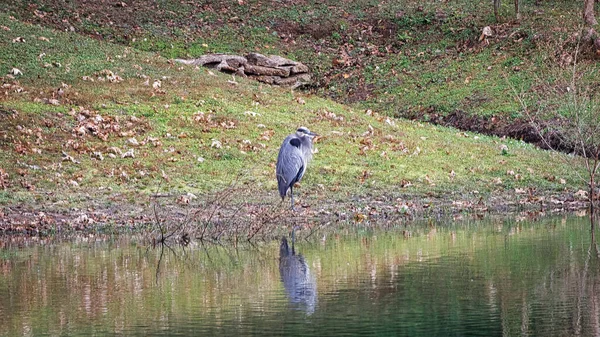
[[292, 195]]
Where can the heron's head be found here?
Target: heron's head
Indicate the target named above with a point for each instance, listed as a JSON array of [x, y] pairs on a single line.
[[304, 131]]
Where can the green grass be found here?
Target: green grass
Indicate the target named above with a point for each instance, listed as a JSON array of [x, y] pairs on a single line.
[[359, 154]]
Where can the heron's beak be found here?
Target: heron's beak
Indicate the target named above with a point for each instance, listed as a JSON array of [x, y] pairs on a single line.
[[313, 134]]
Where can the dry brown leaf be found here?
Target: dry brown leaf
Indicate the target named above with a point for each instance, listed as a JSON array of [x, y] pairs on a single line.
[[266, 135], [359, 217]]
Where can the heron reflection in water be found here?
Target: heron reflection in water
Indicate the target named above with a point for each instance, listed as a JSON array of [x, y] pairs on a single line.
[[299, 283]]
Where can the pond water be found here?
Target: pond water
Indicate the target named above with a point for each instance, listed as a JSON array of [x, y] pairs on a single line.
[[491, 278]]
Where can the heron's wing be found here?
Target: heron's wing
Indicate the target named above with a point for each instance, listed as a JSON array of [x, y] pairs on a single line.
[[291, 169], [290, 166]]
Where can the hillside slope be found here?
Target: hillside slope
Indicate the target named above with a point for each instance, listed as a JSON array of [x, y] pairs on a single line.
[[90, 130], [419, 59]]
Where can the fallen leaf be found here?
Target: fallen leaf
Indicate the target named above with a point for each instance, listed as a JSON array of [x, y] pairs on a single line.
[[128, 154], [486, 32], [581, 194], [115, 150], [98, 155], [133, 142], [216, 144], [452, 174], [251, 113], [359, 217], [67, 157]]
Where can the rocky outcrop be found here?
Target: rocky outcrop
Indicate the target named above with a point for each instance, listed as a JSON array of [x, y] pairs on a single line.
[[271, 69]]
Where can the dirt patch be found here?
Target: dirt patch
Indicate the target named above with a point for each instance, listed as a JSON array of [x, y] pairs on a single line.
[[294, 29], [385, 28], [259, 221], [360, 94], [117, 21], [501, 126]]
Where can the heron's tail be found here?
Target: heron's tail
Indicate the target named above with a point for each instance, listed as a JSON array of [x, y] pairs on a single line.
[[282, 186]]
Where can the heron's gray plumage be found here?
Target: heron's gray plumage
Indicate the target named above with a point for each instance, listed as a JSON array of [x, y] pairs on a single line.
[[293, 158]]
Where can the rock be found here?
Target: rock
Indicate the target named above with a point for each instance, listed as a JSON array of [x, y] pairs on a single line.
[[266, 79], [299, 68], [267, 71], [261, 60], [213, 59], [272, 69], [294, 81]]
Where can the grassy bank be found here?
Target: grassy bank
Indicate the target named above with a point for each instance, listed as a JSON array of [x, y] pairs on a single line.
[[77, 108]]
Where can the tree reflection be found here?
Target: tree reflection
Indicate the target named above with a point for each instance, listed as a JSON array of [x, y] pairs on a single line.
[[590, 280], [513, 278], [585, 318], [300, 285], [563, 300]]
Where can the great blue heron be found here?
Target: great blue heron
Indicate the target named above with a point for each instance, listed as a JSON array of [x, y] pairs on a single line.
[[299, 283], [294, 155]]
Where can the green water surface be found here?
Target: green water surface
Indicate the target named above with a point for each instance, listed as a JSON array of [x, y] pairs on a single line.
[[489, 278]]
